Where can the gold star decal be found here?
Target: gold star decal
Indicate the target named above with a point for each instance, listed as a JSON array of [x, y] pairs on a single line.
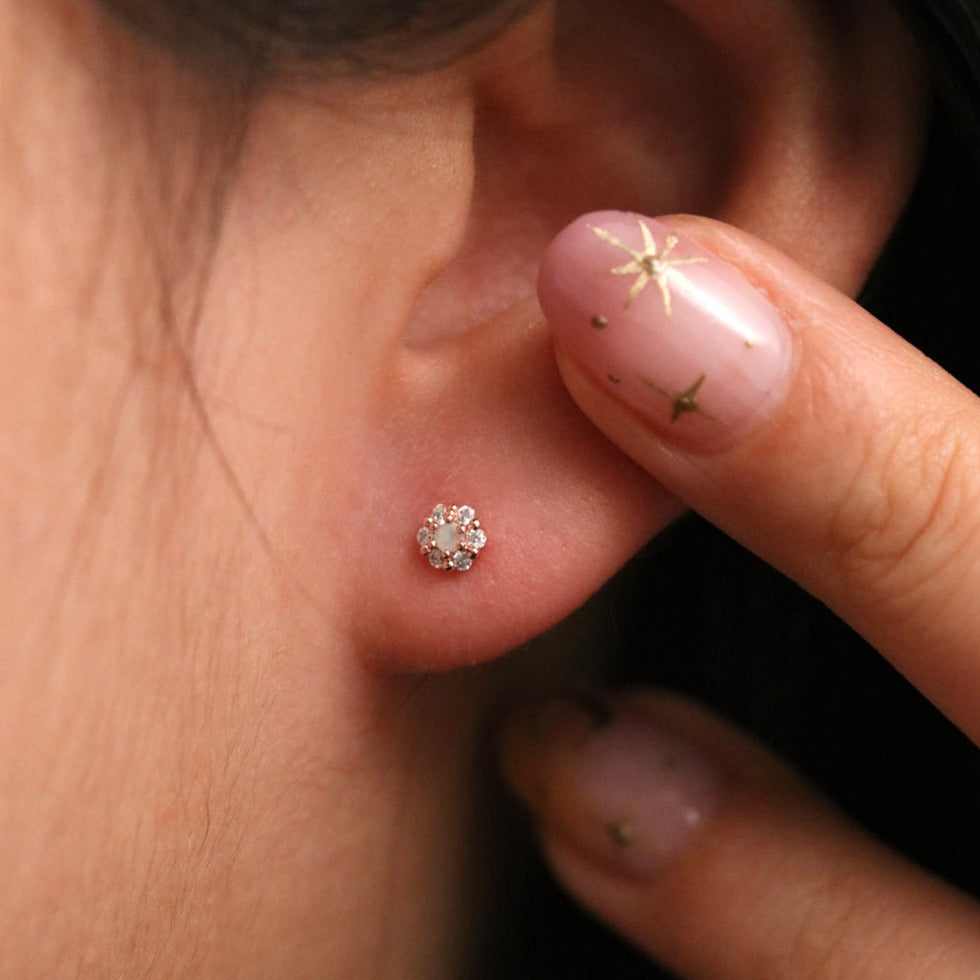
[[621, 832], [682, 402], [648, 265]]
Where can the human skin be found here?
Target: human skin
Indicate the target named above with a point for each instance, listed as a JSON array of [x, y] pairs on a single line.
[[221, 752], [213, 762], [686, 835]]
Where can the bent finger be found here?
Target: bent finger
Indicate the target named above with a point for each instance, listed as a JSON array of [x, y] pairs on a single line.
[[790, 418], [693, 842]]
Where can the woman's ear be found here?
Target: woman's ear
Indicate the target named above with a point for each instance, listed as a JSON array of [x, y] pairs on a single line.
[[801, 122]]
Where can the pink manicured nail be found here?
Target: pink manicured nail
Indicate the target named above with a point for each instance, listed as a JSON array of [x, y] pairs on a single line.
[[666, 327], [619, 790]]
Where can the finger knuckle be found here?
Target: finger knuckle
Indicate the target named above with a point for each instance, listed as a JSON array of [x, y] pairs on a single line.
[[908, 509], [818, 946], [843, 930]]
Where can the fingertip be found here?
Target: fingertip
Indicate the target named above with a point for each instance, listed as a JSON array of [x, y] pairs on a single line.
[[704, 850], [609, 783], [665, 328]]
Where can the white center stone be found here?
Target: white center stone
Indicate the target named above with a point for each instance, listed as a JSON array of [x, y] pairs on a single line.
[[447, 537]]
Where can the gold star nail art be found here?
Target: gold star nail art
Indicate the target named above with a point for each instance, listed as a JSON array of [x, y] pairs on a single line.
[[682, 402], [648, 265], [621, 832]]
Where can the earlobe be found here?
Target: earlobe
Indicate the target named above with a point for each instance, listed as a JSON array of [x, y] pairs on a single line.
[[491, 426], [803, 131]]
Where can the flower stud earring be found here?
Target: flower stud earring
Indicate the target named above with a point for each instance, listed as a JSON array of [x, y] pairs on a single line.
[[451, 537]]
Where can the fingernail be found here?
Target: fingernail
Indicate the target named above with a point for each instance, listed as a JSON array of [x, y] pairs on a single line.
[[666, 327], [622, 792]]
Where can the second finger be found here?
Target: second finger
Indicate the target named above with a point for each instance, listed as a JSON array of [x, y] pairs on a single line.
[[697, 844]]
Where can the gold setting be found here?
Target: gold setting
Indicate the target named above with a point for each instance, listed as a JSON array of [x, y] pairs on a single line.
[[451, 538]]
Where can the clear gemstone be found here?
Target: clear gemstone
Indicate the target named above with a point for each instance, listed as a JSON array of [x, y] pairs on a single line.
[[462, 561], [451, 537], [447, 537]]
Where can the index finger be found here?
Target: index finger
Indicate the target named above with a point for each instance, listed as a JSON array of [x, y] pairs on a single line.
[[789, 417]]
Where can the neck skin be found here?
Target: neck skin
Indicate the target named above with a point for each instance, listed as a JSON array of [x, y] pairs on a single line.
[[198, 774]]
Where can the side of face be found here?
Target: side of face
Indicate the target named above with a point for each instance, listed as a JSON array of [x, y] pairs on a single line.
[[246, 345]]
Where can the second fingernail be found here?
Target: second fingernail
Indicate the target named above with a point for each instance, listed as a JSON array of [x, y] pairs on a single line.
[[622, 791], [665, 327]]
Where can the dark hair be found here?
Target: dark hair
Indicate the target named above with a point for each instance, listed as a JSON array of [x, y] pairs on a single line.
[[948, 31], [317, 35]]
